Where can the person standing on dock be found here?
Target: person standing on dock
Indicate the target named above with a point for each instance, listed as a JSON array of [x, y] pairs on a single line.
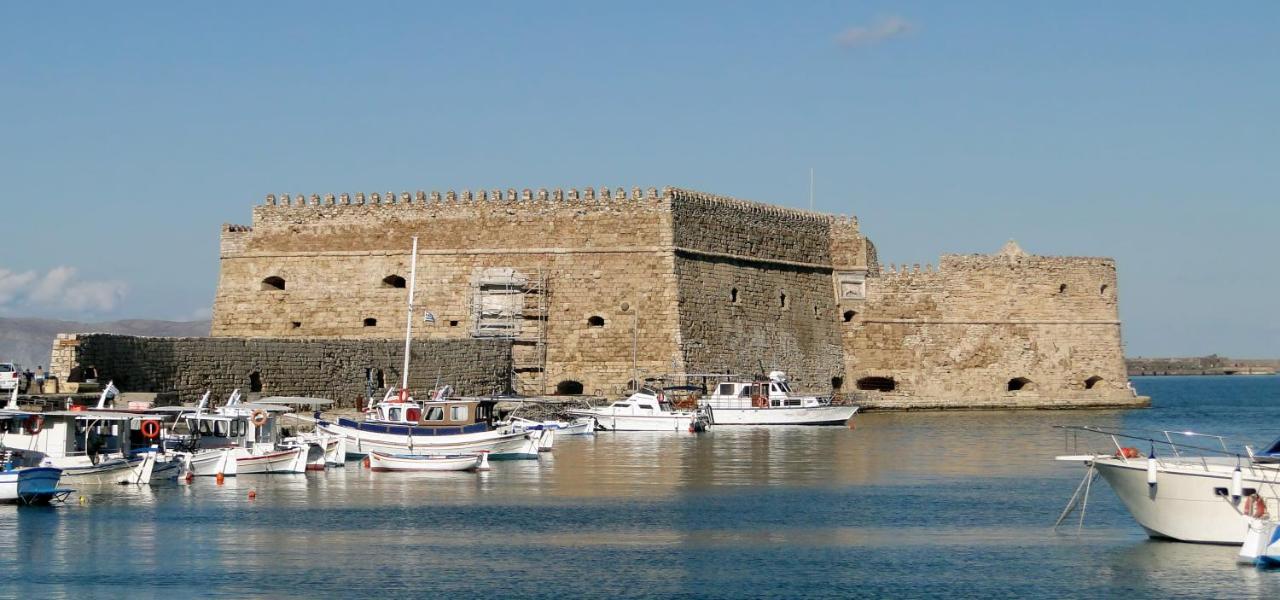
[[40, 379]]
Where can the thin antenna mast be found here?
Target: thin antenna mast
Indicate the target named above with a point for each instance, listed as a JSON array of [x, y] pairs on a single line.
[[408, 328]]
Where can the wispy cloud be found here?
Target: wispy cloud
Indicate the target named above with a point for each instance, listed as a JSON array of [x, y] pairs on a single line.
[[59, 288], [883, 29]]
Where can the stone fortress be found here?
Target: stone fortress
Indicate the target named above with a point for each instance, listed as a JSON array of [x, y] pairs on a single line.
[[592, 289]]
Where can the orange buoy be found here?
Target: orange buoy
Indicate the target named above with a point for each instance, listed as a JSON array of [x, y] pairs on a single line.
[[253, 494], [190, 477], [366, 462], [220, 478], [850, 423]]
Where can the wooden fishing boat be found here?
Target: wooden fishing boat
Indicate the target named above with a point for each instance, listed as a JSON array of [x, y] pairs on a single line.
[[381, 461]]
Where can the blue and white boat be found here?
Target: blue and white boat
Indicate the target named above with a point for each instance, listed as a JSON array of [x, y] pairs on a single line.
[[28, 485], [441, 426]]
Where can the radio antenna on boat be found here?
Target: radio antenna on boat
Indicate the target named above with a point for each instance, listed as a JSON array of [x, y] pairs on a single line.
[[408, 328]]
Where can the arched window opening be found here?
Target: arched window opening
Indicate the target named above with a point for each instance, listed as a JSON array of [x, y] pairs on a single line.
[[1092, 382], [1018, 384], [837, 382], [877, 384], [393, 281], [569, 387], [1062, 288], [295, 324], [453, 323], [273, 283], [849, 315], [733, 295], [255, 382], [782, 299], [370, 322], [595, 321], [1103, 290]]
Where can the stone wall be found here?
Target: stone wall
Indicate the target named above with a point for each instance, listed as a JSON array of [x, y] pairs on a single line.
[[589, 260], [754, 285], [966, 333], [325, 368]]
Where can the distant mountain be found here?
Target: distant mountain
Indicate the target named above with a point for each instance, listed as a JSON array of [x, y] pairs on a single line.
[[29, 342]]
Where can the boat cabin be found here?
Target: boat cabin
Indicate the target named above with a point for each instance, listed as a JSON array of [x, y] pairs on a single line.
[[773, 392], [647, 400], [447, 413], [74, 433], [241, 427], [436, 417]]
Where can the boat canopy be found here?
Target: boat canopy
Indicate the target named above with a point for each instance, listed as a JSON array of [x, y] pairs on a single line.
[[1272, 451], [294, 400]]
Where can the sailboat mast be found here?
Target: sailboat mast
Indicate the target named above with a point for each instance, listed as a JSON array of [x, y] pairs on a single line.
[[408, 326]]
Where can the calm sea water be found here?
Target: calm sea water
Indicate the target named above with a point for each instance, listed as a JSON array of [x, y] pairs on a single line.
[[907, 505]]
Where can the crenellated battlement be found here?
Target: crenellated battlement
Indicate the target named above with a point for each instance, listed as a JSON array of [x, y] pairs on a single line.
[[759, 208], [571, 196], [435, 197]]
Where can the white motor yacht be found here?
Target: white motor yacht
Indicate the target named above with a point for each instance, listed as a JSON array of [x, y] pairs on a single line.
[[770, 401], [1188, 486], [648, 409]]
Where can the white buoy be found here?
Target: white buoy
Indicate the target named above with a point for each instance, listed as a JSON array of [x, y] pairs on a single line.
[[1237, 483], [1152, 470], [484, 461]]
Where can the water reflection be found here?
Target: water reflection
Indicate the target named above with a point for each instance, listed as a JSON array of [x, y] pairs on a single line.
[[905, 504]]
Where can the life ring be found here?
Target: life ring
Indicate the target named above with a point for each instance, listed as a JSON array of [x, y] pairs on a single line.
[[259, 418], [33, 424], [150, 429], [1255, 507], [1128, 452]]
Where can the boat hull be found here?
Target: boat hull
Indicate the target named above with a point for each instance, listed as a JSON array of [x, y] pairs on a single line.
[[112, 471], [1187, 503], [31, 485], [673, 422], [783, 415], [208, 463], [500, 445], [379, 461], [288, 460]]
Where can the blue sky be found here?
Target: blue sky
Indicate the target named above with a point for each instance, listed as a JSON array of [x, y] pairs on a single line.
[[1145, 131]]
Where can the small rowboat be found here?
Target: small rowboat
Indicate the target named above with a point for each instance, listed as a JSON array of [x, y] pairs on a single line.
[[381, 461]]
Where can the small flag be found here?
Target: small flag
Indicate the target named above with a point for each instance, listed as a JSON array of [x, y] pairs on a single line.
[[429, 317]]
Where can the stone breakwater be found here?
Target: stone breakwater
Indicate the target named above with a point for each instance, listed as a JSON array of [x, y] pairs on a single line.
[[325, 368]]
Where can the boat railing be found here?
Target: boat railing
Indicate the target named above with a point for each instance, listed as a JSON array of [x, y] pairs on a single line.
[[1186, 452]]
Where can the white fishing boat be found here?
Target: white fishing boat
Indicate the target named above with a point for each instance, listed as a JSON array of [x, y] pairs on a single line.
[[323, 449], [381, 461], [1188, 487], [579, 426], [770, 401], [648, 409], [92, 446], [237, 439], [30, 485], [442, 425]]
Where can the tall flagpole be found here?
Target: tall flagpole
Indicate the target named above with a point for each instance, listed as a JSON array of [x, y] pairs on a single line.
[[408, 326]]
